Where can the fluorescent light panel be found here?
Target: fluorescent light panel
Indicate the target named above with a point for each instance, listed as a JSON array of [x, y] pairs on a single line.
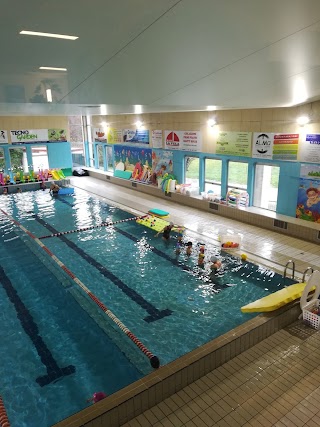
[[49, 95], [52, 68], [55, 36]]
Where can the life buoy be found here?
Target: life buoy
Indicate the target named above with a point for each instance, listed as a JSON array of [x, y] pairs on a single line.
[[313, 282], [137, 171]]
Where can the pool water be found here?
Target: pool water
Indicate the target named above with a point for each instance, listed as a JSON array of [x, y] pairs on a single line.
[[58, 348]]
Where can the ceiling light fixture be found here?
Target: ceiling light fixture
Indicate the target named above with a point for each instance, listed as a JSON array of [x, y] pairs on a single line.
[[49, 95], [53, 68], [303, 120], [55, 36], [211, 122], [138, 124], [211, 108], [104, 124]]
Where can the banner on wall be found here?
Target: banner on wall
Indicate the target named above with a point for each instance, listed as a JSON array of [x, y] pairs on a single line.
[[3, 137], [114, 136], [308, 204], [162, 162], [262, 145], [57, 135], [156, 138], [183, 140], [99, 135], [28, 136], [285, 146], [140, 136], [234, 143], [309, 148], [130, 158], [310, 171]]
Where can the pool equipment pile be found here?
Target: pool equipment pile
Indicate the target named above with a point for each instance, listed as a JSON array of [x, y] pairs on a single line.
[[230, 241], [311, 314], [237, 198]]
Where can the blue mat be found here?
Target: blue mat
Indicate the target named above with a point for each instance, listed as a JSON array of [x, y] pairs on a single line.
[[64, 191]]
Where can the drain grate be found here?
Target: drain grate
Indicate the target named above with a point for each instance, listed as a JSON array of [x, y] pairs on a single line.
[[300, 330]]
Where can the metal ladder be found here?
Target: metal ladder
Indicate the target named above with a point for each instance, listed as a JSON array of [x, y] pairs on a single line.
[[305, 272], [286, 267]]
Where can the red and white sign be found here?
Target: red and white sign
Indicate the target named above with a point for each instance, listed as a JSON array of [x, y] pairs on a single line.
[[183, 140]]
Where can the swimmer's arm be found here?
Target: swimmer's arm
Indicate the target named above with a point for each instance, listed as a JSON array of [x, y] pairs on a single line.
[[161, 231]]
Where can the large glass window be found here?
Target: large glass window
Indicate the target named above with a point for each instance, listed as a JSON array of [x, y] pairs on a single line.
[[212, 178], [100, 157], [109, 159], [18, 159], [39, 158], [237, 175], [192, 171], [2, 161], [266, 186]]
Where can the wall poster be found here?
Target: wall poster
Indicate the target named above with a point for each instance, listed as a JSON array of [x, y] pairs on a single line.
[[183, 140], [234, 143], [262, 145], [309, 148]]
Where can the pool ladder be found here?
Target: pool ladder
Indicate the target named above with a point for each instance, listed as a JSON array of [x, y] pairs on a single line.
[[290, 262]]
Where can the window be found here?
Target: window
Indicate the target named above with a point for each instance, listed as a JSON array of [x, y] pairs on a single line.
[[109, 159], [266, 183], [39, 158], [192, 171], [18, 159], [237, 175], [212, 178], [2, 161], [100, 157], [76, 140]]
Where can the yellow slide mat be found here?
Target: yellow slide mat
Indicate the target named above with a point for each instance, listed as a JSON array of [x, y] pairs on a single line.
[[276, 300], [156, 223]]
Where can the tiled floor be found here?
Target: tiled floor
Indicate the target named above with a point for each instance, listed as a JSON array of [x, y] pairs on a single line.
[[275, 383]]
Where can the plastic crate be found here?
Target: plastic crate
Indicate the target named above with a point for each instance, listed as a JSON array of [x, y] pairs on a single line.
[[310, 318]]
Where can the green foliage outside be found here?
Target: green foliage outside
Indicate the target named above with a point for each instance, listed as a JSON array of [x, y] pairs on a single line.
[[238, 172]]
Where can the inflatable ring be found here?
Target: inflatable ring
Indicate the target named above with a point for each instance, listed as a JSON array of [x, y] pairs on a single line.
[[137, 171], [313, 282]]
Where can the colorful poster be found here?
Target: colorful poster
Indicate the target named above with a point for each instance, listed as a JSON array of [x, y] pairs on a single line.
[[138, 160], [183, 140], [3, 137], [140, 136], [57, 135], [310, 171], [99, 135], [309, 148], [156, 138], [162, 162], [28, 136], [308, 204], [262, 145], [234, 143], [285, 146], [114, 136]]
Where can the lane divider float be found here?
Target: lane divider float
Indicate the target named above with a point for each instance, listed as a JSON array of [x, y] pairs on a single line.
[[4, 421], [154, 360], [91, 227]]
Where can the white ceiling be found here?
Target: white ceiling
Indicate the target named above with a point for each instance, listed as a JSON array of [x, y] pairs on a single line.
[[165, 55]]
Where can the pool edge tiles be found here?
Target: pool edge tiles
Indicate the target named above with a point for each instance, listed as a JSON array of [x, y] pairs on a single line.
[[136, 398]]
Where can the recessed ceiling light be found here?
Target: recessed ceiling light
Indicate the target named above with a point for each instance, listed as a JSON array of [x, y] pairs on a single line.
[[49, 95], [56, 36], [303, 120], [52, 68]]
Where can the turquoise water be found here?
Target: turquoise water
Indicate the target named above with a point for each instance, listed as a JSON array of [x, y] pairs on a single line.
[[58, 348]]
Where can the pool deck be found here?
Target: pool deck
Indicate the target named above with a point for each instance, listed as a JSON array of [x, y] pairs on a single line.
[[263, 373]]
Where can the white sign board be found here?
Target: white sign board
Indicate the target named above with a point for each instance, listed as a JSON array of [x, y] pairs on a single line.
[[29, 135]]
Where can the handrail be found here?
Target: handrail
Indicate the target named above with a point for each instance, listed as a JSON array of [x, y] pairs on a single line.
[[305, 272], [293, 269]]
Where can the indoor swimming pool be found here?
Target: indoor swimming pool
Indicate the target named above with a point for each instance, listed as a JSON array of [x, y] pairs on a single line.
[[57, 346]]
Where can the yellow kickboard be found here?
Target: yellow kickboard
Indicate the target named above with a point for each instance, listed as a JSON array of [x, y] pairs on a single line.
[[157, 224], [153, 222], [276, 300]]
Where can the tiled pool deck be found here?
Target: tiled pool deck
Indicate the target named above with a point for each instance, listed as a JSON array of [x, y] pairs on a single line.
[[262, 373]]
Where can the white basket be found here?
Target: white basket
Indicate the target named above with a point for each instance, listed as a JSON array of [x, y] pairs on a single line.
[[310, 318], [230, 242]]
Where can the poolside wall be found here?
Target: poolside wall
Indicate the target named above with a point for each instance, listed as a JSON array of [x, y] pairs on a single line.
[[289, 226], [136, 398]]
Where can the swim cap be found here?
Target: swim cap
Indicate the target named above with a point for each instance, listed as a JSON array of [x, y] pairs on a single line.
[[213, 259], [171, 223], [99, 396]]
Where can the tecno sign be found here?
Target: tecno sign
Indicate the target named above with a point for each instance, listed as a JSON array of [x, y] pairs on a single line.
[[29, 135]]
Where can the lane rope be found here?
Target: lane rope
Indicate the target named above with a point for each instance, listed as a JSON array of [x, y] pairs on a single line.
[[4, 421], [91, 227], [154, 360]]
